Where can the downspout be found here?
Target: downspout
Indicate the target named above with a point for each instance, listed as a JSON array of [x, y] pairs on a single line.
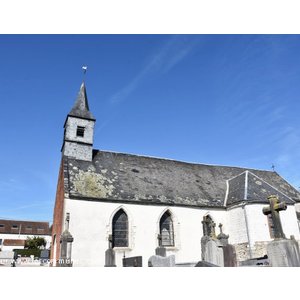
[[245, 213], [247, 230]]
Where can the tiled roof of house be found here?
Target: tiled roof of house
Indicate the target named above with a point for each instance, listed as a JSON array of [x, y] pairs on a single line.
[[11, 242], [24, 227]]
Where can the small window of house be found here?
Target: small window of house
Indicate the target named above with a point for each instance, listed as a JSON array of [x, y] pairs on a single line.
[[29, 228], [14, 227], [80, 131], [1, 225]]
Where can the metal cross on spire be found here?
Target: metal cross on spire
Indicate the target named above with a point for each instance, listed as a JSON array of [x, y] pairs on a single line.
[[273, 167]]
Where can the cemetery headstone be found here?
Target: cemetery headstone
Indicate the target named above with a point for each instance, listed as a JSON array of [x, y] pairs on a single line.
[[135, 261], [110, 259], [282, 252], [159, 261], [228, 250], [211, 247]]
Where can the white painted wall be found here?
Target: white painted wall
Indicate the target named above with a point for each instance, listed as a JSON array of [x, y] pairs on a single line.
[[90, 225], [237, 228], [258, 223]]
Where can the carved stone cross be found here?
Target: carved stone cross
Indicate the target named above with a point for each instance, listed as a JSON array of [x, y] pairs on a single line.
[[209, 227], [274, 208]]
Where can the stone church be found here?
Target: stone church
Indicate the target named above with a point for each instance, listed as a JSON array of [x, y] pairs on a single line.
[[133, 204]]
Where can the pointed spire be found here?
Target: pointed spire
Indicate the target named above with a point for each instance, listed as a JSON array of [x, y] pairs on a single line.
[[81, 106]]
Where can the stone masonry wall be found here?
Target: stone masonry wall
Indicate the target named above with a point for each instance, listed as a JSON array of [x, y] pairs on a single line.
[[78, 151]]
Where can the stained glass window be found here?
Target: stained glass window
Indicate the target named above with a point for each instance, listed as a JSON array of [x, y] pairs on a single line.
[[166, 230], [120, 229]]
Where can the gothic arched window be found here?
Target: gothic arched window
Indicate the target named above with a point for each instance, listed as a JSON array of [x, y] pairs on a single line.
[[166, 230], [120, 229]]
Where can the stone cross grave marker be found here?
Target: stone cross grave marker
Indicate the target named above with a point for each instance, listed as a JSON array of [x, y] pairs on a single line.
[[110, 260], [160, 250], [209, 227], [274, 208]]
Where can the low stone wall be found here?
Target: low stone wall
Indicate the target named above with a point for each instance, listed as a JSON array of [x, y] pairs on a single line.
[[258, 250], [242, 251]]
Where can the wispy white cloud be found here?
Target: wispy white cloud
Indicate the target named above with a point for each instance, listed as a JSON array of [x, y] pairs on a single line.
[[12, 184], [24, 207], [171, 54]]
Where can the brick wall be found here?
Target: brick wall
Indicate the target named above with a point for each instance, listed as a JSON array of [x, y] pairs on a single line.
[[58, 214]]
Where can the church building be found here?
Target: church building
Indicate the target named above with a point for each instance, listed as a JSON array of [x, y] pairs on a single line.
[[133, 204]]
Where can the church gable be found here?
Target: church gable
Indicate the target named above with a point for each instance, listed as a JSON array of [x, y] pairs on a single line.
[[138, 179]]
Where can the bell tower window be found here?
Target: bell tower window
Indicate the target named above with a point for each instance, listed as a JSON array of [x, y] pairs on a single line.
[[80, 131]]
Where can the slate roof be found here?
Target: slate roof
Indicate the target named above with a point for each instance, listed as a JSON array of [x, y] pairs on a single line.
[[138, 179], [81, 106], [250, 187]]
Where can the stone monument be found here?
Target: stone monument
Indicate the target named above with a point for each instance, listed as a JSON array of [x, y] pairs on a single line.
[[160, 250], [66, 241], [282, 252], [229, 253], [134, 261], [211, 247], [159, 261], [110, 260]]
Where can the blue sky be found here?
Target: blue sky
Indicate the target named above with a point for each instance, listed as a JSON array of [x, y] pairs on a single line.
[[213, 99]]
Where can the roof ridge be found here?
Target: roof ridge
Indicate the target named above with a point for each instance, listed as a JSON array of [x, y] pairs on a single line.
[[8, 219], [181, 161]]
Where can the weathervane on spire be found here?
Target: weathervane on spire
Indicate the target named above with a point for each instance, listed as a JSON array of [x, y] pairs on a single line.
[[84, 68], [273, 167]]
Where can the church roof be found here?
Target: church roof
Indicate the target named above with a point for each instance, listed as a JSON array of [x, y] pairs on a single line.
[[119, 177], [81, 106]]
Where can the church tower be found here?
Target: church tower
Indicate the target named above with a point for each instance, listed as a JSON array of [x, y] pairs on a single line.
[[79, 129]]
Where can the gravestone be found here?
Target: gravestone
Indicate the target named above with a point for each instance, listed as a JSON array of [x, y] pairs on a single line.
[[160, 250], [213, 252], [211, 247], [256, 262], [135, 261], [66, 241], [44, 257], [209, 227], [186, 264], [205, 264], [282, 252], [274, 208], [110, 260], [228, 250], [159, 261]]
